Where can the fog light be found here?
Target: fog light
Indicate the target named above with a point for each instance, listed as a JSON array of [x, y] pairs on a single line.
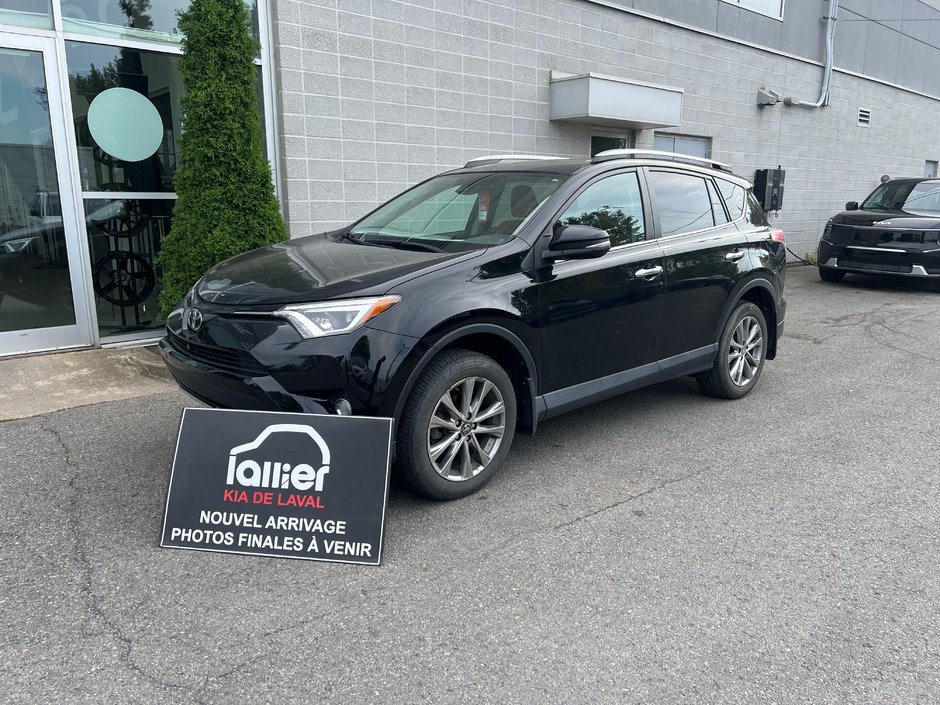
[[342, 407]]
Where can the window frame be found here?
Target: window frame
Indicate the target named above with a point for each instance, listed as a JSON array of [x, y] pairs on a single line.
[[742, 4], [676, 136]]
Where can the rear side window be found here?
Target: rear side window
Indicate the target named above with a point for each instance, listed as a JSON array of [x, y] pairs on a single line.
[[682, 202], [734, 198], [612, 204]]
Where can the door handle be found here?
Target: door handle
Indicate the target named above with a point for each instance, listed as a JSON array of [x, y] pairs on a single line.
[[734, 256], [650, 273]]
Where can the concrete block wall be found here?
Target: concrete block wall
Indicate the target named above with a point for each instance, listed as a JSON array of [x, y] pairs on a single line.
[[377, 95]]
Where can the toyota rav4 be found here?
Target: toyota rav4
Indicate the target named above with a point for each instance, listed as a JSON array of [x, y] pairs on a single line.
[[489, 298]]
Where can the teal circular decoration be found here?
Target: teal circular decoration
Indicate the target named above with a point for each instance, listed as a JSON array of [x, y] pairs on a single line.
[[125, 124]]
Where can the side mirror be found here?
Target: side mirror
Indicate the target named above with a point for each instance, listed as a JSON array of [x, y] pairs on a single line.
[[578, 242], [851, 206]]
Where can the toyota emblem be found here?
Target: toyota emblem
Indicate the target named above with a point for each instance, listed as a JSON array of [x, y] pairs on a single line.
[[194, 319]]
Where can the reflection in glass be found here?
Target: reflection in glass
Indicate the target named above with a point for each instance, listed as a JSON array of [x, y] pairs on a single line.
[[612, 204], [683, 202], [137, 19], [26, 13], [96, 68], [124, 236], [35, 291]]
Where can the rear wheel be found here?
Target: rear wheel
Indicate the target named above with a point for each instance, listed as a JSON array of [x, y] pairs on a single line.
[[457, 425], [828, 274], [741, 352]]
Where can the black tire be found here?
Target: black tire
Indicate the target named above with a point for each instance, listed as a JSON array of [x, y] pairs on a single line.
[[827, 274], [720, 380], [416, 437]]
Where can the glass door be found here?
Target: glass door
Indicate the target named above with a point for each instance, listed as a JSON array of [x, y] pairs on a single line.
[[43, 300]]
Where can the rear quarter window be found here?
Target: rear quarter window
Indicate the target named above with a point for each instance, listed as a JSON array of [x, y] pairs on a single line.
[[734, 197], [754, 214]]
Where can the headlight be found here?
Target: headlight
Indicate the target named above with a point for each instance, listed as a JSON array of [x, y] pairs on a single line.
[[827, 231], [11, 246], [334, 317]]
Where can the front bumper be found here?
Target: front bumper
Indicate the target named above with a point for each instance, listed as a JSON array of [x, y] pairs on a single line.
[[918, 260], [916, 270], [233, 390], [238, 360]]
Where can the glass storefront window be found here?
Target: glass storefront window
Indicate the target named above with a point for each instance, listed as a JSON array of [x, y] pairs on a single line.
[[153, 20], [125, 105], [127, 124], [124, 237], [26, 13], [35, 291], [95, 71]]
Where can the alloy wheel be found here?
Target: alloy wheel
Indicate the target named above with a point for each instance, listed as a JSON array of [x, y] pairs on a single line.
[[746, 351], [466, 428]]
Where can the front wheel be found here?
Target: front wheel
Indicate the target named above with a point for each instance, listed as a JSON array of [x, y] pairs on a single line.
[[741, 351], [457, 425]]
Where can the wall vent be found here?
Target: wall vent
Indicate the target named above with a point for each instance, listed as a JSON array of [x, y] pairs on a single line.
[[864, 117]]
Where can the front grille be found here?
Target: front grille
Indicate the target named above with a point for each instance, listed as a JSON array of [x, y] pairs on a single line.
[[225, 358], [874, 266]]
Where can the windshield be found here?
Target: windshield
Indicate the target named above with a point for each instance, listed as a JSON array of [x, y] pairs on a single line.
[[920, 198], [457, 212]]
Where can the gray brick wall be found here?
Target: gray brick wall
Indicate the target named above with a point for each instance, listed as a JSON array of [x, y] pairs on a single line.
[[377, 95]]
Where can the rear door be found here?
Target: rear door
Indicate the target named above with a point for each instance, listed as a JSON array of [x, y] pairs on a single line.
[[705, 256]]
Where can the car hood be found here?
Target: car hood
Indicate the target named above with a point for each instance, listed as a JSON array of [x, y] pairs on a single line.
[[888, 219], [315, 268]]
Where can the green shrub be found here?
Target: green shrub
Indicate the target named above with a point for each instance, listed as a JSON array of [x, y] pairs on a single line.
[[226, 203]]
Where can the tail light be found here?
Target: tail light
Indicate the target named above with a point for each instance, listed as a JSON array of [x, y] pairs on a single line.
[[777, 236]]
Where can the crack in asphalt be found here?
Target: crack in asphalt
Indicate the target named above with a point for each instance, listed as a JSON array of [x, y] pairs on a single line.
[[86, 590], [261, 648], [631, 498], [884, 317]]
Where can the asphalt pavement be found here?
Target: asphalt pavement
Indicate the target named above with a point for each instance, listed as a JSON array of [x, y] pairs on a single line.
[[661, 547]]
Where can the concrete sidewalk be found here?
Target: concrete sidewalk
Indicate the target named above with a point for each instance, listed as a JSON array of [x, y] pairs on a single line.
[[43, 383]]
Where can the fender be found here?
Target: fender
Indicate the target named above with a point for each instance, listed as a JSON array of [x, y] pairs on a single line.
[[755, 282], [528, 414]]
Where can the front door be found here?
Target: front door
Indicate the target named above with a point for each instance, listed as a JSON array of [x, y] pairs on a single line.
[[43, 305], [600, 317]]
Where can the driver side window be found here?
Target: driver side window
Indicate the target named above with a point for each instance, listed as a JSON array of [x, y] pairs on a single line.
[[612, 204]]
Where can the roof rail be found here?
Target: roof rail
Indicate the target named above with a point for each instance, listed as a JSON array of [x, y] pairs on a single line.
[[671, 156], [497, 158]]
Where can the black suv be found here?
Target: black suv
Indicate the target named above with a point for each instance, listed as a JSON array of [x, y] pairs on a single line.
[[489, 298], [894, 231]]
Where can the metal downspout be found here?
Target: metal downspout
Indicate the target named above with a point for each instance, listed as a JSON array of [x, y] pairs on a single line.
[[827, 72]]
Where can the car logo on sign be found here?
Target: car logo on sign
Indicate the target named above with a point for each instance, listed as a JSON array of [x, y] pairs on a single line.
[[194, 319]]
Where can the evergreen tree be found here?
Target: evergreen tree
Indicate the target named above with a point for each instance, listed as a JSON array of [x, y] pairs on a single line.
[[226, 203]]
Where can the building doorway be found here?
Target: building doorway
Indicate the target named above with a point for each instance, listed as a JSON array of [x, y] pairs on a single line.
[[43, 301]]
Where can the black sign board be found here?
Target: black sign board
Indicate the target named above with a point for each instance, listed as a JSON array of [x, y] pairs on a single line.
[[273, 484]]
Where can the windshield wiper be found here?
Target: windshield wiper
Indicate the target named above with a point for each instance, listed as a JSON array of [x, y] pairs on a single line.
[[406, 244]]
